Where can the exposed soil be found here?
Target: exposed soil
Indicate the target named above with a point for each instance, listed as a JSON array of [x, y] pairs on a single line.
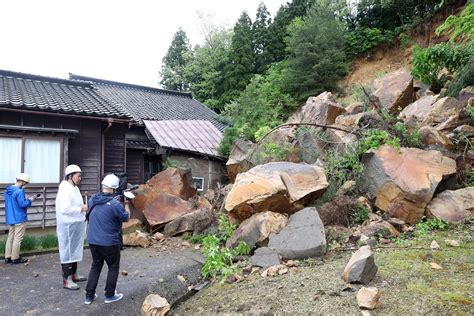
[[407, 283]]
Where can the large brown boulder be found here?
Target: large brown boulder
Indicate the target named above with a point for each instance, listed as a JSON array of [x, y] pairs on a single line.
[[404, 181], [175, 181], [394, 91], [419, 109], [164, 208], [442, 110], [197, 222], [281, 187], [452, 206], [320, 110], [431, 136], [257, 229], [239, 158]]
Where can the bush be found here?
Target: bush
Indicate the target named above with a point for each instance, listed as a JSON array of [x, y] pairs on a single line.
[[29, 243], [424, 227], [363, 39], [463, 78], [231, 134], [360, 214], [459, 27]]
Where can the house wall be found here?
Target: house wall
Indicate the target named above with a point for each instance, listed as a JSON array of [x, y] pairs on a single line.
[[212, 170], [83, 149], [135, 166]]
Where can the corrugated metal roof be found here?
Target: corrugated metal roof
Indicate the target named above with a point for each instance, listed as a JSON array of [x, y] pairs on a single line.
[[192, 135]]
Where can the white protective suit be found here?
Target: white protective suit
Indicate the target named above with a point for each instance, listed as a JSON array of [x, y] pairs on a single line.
[[70, 223]]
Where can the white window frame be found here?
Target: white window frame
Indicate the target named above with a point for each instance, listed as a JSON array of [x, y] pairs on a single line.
[[202, 186]]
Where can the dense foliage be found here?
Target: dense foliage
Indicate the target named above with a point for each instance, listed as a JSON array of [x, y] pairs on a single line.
[[172, 71]]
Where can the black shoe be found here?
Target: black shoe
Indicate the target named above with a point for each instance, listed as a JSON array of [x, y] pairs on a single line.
[[8, 260], [19, 260]]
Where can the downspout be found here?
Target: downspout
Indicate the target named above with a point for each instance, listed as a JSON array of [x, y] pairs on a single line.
[[102, 162]]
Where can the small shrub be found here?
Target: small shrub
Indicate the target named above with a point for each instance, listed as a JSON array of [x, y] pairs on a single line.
[[404, 40], [231, 134], [242, 249], [29, 243], [425, 227], [48, 241], [226, 229], [359, 214], [463, 78], [412, 139], [272, 152], [170, 163], [262, 131]]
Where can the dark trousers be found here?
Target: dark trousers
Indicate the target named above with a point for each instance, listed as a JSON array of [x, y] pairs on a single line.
[[111, 255]]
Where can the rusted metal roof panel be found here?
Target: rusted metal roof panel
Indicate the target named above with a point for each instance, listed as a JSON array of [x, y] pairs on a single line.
[[192, 135]]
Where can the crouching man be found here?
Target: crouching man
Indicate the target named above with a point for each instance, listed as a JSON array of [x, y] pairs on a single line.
[[105, 217]]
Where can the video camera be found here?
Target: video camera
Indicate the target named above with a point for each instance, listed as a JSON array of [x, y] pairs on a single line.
[[124, 189]]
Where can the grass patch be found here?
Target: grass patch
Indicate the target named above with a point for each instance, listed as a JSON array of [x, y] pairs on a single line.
[[2, 246], [29, 243], [48, 241]]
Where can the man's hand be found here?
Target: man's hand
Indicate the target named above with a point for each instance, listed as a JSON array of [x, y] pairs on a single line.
[[84, 208]]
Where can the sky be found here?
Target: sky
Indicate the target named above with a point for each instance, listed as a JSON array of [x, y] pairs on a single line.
[[119, 40]]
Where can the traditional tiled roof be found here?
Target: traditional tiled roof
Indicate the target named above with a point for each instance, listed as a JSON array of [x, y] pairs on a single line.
[[146, 103], [196, 136], [46, 94]]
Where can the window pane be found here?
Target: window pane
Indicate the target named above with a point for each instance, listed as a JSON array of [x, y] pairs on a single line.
[[42, 160], [10, 159]]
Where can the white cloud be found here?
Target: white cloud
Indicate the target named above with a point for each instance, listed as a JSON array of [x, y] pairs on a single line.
[[119, 40]]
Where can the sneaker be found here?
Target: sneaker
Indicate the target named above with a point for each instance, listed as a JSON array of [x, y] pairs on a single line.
[[8, 260], [19, 260], [115, 298], [89, 301]]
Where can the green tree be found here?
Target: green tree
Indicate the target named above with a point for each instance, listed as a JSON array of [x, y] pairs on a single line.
[[260, 38], [316, 57], [176, 58], [239, 69], [204, 72]]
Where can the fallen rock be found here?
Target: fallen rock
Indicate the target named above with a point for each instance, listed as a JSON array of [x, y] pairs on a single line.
[[303, 237], [158, 236], [354, 108], [442, 110], [164, 208], [452, 206], [368, 298], [418, 110], [155, 305], [381, 229], [136, 239], [349, 120], [451, 243], [434, 245], [404, 181], [131, 225], [281, 187], [265, 257], [431, 136], [337, 211], [175, 181], [197, 221], [435, 266], [394, 90], [361, 267], [239, 158], [257, 228], [320, 110]]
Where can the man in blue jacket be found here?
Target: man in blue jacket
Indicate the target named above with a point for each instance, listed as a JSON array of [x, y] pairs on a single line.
[[16, 205], [105, 216]]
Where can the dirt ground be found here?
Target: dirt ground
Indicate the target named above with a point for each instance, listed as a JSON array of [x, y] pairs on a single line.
[[407, 283]]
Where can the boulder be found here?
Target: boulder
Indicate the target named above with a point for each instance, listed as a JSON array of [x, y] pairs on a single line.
[[303, 237], [131, 225], [164, 208], [394, 91], [265, 257], [442, 110], [403, 181], [349, 120], [319, 110], [452, 206], [155, 305], [354, 108], [282, 187], [136, 239], [337, 211], [239, 158], [431, 136], [419, 109], [381, 229], [197, 221], [368, 298], [175, 181], [257, 228], [361, 268]]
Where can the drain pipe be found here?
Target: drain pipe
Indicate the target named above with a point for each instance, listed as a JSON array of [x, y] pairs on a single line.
[[109, 121]]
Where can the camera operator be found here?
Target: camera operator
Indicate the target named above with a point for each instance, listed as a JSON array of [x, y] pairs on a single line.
[[105, 217]]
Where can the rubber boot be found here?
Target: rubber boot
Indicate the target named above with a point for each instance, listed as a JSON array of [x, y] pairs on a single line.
[[70, 284], [75, 276]]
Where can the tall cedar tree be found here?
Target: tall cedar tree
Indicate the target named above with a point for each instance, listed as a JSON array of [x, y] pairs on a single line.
[[172, 69], [260, 39], [239, 70], [277, 31], [316, 53]]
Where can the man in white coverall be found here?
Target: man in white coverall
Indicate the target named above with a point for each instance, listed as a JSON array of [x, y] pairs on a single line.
[[70, 226]]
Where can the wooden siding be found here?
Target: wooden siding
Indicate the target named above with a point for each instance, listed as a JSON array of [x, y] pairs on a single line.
[[135, 166], [114, 149]]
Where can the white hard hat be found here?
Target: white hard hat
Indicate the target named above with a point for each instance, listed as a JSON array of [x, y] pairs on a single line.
[[23, 177], [111, 181], [72, 169]]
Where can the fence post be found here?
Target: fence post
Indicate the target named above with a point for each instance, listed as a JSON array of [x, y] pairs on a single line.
[[44, 207]]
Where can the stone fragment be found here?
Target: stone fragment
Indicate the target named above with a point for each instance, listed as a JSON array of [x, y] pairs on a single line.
[[381, 229], [239, 158], [434, 245], [431, 136], [442, 110], [435, 266], [361, 268], [368, 298], [136, 239], [418, 110], [265, 257], [452, 206], [451, 243], [394, 90], [155, 305]]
